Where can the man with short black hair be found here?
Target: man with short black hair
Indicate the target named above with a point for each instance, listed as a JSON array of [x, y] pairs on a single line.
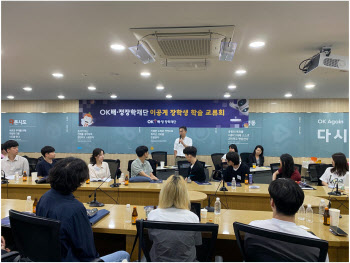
[[196, 170], [43, 167], [140, 166], [13, 163], [231, 148], [180, 144], [235, 168]]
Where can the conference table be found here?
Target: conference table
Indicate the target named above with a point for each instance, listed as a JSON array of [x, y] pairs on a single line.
[[114, 223], [241, 198]]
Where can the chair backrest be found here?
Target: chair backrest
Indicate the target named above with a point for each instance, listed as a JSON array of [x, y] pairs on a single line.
[[160, 157], [258, 244], [129, 166], [313, 172], [32, 164], [298, 166], [173, 235], [153, 164], [320, 169], [36, 238], [216, 158], [245, 158], [274, 167], [183, 167], [113, 166]]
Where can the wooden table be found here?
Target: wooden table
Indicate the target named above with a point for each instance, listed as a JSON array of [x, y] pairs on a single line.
[[242, 198], [114, 223]]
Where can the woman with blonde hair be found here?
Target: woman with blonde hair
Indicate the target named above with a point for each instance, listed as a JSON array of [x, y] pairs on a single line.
[[174, 206]]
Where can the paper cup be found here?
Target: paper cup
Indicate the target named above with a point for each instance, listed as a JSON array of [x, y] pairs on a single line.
[[162, 164], [204, 213], [334, 213], [34, 176]]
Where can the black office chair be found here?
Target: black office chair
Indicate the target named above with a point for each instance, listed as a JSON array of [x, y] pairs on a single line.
[[32, 164], [320, 169], [183, 167], [274, 167], [160, 157], [58, 159], [153, 164], [258, 244], [311, 170], [36, 238], [217, 162], [298, 166], [129, 167], [172, 232], [245, 158], [113, 166]]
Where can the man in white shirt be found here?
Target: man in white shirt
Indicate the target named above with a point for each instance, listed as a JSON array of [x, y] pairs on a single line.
[[13, 163], [180, 144], [286, 197]]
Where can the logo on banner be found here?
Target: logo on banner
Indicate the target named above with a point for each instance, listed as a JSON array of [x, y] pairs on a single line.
[[17, 122], [86, 121]]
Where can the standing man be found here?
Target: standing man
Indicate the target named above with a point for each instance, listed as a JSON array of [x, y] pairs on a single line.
[[49, 161], [13, 163], [180, 144]]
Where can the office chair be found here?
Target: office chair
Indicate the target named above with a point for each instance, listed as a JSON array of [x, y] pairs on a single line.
[[298, 166], [113, 166], [245, 158], [274, 167], [153, 164], [32, 164], [129, 167], [160, 157], [172, 233], [311, 170], [183, 167], [320, 169], [217, 162], [258, 244]]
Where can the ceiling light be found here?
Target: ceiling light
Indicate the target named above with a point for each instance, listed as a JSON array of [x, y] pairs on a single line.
[[61, 97], [273, 103], [159, 87], [257, 44], [113, 96], [227, 95], [169, 96], [310, 86], [241, 71], [10, 97], [57, 75], [117, 47], [27, 88], [91, 88], [44, 112], [232, 86], [142, 53], [288, 95], [145, 74]]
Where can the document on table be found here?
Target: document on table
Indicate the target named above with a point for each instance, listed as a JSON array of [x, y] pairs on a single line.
[[99, 180]]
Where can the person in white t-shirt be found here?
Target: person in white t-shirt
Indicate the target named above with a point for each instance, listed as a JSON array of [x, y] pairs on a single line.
[[174, 204], [98, 169], [286, 197], [339, 173], [180, 144]]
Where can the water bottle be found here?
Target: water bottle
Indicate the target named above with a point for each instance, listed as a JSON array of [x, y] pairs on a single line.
[[321, 210], [128, 214], [301, 213], [29, 205], [233, 183], [217, 206], [309, 214]]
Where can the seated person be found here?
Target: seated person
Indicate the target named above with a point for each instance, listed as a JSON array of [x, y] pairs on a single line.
[[235, 168], [3, 151], [287, 169], [257, 156], [173, 206], [43, 167], [77, 240], [13, 163], [196, 170], [98, 169], [339, 173], [141, 167], [286, 197], [231, 148]]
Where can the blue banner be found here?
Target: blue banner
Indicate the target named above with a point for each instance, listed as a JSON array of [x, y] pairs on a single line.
[[160, 113]]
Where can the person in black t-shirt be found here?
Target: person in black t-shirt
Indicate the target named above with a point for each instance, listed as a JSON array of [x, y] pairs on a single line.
[[43, 167], [235, 169], [196, 170]]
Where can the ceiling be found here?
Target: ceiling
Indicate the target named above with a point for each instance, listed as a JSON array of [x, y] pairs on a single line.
[[39, 38]]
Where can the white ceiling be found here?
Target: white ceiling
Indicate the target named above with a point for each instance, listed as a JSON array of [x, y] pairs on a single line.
[[39, 38]]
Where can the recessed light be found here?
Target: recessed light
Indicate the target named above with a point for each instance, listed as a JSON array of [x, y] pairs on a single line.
[[169, 96], [288, 95], [61, 97], [27, 88], [273, 103], [241, 71], [10, 97], [160, 87], [44, 112], [227, 95], [57, 75], [91, 88], [113, 96], [28, 112], [310, 86], [257, 44], [145, 74], [232, 86], [117, 47]]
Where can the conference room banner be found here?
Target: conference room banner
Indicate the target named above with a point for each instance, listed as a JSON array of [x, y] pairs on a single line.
[[159, 113]]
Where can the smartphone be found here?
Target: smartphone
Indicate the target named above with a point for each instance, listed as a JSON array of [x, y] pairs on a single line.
[[338, 231]]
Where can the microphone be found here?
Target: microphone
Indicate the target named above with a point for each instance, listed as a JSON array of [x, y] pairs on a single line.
[[223, 188], [210, 208], [3, 178], [95, 203], [336, 193], [117, 173], [41, 181]]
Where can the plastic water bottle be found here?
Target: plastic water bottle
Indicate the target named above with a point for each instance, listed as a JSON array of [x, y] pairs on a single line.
[[301, 213], [233, 183], [29, 205], [309, 214], [128, 214], [217, 206], [321, 210]]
